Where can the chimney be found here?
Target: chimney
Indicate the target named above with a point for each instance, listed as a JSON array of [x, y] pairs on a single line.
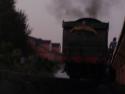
[[56, 47], [47, 44]]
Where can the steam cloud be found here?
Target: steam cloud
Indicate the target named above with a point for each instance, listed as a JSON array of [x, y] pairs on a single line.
[[71, 9]]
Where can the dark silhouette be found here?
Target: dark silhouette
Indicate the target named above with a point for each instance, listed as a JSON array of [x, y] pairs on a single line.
[[14, 32], [111, 73], [84, 48], [16, 53], [13, 26], [113, 45]]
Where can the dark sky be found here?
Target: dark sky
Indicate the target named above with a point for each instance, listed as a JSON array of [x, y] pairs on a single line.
[[45, 16]]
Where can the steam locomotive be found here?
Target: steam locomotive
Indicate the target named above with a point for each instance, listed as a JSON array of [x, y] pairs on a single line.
[[85, 46]]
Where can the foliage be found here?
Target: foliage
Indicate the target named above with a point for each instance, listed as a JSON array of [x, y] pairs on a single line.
[[15, 53], [13, 25]]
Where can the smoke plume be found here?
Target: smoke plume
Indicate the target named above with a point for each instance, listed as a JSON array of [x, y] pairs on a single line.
[[71, 9]]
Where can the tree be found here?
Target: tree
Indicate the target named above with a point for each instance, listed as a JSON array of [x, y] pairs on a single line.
[[14, 32], [13, 26], [14, 48]]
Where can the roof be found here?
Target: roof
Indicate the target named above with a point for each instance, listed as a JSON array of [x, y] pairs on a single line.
[[88, 21], [46, 41], [56, 44], [119, 52]]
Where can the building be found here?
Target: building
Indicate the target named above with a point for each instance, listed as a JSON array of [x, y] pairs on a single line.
[[46, 44], [45, 49], [118, 61], [56, 48]]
